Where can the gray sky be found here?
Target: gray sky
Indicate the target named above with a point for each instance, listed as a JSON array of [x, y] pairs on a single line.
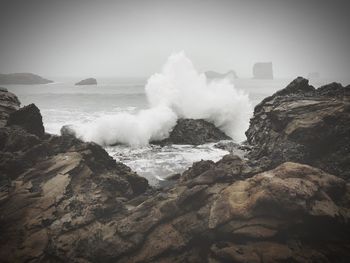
[[133, 38]]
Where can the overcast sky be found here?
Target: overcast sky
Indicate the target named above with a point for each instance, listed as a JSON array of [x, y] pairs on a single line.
[[133, 38]]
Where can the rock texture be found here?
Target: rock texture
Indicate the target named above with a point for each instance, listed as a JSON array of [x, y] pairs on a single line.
[[195, 132], [89, 81], [263, 70], [8, 103], [62, 200], [306, 125], [22, 79]]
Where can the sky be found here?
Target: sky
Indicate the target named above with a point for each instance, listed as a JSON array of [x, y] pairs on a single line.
[[83, 38]]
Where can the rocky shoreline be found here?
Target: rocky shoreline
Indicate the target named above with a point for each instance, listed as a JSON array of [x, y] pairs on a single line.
[[64, 200]]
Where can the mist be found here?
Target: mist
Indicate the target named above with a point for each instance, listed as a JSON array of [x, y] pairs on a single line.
[[132, 38]]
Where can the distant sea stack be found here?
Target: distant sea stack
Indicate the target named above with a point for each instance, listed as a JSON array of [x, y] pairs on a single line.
[[89, 81], [22, 79], [215, 75], [262, 70]]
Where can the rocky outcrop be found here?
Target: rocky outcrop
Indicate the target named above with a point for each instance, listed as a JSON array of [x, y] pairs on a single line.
[[195, 132], [63, 200], [8, 104], [89, 81], [263, 70], [306, 125], [22, 79]]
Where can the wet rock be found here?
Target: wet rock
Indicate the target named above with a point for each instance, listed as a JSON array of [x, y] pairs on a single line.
[[29, 118], [8, 104], [195, 132], [304, 124]]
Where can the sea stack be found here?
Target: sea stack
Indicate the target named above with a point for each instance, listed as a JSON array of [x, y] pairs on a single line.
[[22, 79], [89, 81], [262, 70]]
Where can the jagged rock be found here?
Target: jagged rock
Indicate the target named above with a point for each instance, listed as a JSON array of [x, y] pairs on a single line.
[[263, 70], [304, 124], [29, 118], [195, 132], [89, 81], [63, 200], [22, 79], [8, 104]]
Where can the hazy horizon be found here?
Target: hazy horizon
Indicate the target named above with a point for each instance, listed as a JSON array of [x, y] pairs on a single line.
[[133, 39]]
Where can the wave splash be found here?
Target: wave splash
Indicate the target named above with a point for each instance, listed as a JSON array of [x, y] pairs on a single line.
[[179, 91]]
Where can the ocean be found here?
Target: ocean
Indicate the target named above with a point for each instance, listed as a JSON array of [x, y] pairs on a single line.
[[63, 103]]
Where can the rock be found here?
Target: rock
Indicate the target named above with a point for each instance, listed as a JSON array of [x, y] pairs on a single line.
[[63, 200], [67, 130], [263, 70], [8, 104], [304, 124], [215, 75], [22, 79], [29, 118], [89, 81], [195, 132]]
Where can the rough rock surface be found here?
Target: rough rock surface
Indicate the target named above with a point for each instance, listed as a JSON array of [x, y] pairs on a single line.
[[22, 79], [62, 200], [263, 70], [195, 132], [306, 125], [8, 103], [89, 81]]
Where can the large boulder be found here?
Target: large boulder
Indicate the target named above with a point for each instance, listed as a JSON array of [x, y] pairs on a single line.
[[29, 118], [263, 70], [89, 81], [195, 132], [304, 124], [22, 79], [8, 104]]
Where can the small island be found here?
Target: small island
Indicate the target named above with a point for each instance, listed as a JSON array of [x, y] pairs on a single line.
[[89, 81], [22, 79]]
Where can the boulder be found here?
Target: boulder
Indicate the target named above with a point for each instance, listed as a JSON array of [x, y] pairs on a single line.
[[22, 79], [262, 70], [304, 124], [195, 132], [8, 104], [29, 118], [89, 81]]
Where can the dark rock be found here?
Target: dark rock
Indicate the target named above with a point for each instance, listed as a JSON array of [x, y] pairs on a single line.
[[304, 124], [29, 118], [195, 132], [263, 70], [67, 130], [8, 104], [22, 79], [89, 81]]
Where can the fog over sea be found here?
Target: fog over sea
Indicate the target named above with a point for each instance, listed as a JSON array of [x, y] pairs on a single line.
[[63, 103]]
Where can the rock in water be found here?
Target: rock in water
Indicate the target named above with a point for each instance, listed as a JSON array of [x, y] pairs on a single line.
[[29, 118], [304, 124], [8, 104], [22, 79], [215, 75], [194, 132], [89, 81], [263, 70]]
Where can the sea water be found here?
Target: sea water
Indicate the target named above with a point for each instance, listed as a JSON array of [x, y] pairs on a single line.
[[63, 103]]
